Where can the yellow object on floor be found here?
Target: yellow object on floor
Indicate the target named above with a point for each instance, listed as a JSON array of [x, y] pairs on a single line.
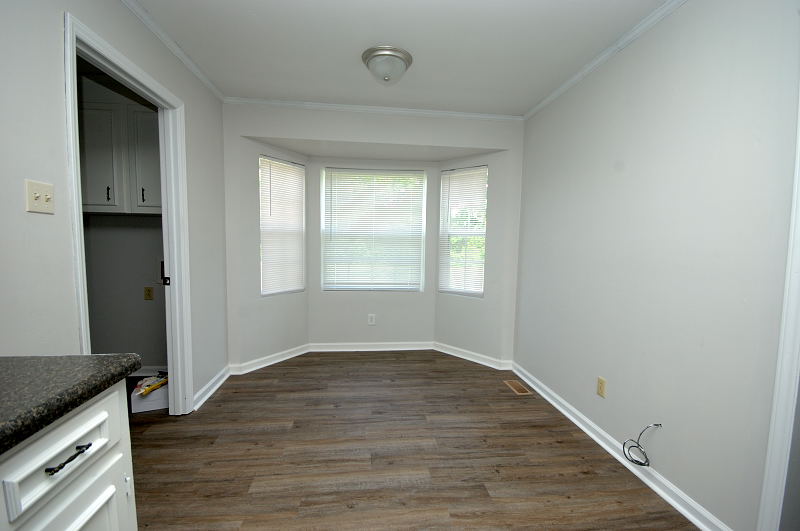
[[147, 389]]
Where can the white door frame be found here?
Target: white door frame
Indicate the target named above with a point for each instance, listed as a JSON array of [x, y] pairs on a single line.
[[787, 372], [172, 133]]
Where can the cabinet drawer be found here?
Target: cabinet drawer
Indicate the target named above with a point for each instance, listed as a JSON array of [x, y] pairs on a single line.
[[45, 465], [100, 499]]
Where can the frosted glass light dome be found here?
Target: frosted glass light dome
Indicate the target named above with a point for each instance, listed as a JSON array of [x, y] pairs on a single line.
[[387, 63]]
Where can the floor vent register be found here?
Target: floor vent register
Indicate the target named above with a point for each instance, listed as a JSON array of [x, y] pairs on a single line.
[[517, 387]]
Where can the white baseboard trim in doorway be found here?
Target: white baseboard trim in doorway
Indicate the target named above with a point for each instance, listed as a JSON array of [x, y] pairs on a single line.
[[488, 361], [687, 506], [210, 388]]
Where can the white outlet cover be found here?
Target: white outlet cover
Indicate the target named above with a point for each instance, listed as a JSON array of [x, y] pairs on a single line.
[[39, 197]]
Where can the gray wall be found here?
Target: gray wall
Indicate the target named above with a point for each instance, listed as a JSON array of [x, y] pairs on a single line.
[[261, 326], [341, 316], [42, 318], [123, 255], [485, 325], [656, 201], [257, 325]]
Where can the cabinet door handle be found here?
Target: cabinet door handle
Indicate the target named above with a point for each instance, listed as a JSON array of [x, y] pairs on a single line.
[[108, 193], [50, 471], [143, 199]]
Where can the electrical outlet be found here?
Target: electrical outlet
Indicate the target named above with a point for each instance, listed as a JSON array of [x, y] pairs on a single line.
[[371, 319], [601, 386], [39, 197], [148, 293]]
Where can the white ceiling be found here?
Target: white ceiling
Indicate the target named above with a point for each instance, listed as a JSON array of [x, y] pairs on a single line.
[[370, 150], [476, 56]]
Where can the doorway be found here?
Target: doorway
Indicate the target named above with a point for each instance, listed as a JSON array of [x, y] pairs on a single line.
[[122, 226], [157, 104]]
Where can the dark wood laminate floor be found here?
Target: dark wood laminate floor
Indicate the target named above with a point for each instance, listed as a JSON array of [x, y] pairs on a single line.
[[381, 440]]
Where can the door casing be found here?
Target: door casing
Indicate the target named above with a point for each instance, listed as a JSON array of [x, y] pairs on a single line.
[[81, 40]]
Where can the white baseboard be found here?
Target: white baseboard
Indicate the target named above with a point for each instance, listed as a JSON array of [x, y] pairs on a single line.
[[271, 359], [361, 347], [494, 363], [692, 510], [258, 363], [210, 388]]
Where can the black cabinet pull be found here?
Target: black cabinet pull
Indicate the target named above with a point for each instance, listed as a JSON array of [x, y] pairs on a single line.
[[108, 193], [143, 194], [50, 471]]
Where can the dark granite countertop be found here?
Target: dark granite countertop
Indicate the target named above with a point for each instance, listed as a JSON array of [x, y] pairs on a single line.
[[37, 390]]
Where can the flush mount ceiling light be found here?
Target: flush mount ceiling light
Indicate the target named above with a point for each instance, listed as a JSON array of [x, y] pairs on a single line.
[[387, 63]]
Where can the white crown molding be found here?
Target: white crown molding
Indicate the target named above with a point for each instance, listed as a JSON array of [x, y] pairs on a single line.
[[696, 513], [637, 31], [173, 47], [372, 109], [643, 26]]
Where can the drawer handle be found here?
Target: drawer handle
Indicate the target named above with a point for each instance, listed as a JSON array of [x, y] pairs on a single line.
[[108, 193], [50, 471]]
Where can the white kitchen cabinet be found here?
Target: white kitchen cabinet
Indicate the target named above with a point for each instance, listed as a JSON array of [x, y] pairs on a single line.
[[91, 489], [102, 156], [144, 162], [120, 161]]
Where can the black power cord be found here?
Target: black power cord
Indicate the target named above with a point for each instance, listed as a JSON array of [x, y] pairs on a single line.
[[630, 446]]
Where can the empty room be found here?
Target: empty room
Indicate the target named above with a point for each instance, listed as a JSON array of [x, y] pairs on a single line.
[[275, 264]]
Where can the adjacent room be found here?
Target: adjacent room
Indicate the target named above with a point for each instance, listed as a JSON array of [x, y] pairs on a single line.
[[368, 265]]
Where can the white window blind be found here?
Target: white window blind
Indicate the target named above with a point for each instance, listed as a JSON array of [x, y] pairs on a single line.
[[282, 194], [373, 229], [462, 230]]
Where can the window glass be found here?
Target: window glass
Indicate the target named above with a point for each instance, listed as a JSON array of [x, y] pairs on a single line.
[[462, 230], [282, 214], [373, 229]]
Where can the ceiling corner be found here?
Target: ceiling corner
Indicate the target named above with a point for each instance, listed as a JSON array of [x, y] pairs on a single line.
[[172, 46], [634, 33]]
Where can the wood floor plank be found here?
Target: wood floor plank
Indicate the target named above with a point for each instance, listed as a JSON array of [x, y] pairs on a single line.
[[333, 481], [381, 440]]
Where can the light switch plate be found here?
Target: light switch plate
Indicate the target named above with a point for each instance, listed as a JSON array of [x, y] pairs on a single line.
[[601, 386], [39, 197]]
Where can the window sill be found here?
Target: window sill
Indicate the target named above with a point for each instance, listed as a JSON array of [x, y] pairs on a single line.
[[283, 292], [472, 294], [401, 290]]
